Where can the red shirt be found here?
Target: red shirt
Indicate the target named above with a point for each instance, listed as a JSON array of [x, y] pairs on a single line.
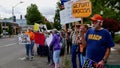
[[39, 38]]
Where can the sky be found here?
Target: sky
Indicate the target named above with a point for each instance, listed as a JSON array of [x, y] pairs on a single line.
[[46, 8]]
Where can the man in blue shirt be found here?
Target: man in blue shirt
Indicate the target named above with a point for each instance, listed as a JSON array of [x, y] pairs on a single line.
[[98, 41]]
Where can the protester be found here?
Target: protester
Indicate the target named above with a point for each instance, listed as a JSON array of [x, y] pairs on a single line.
[[56, 48], [63, 42], [29, 47], [82, 49], [50, 50], [41, 43], [74, 48], [69, 42], [98, 41], [47, 46]]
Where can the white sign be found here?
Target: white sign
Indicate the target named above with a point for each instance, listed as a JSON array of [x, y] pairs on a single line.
[[74, 0], [24, 39], [42, 27], [66, 14]]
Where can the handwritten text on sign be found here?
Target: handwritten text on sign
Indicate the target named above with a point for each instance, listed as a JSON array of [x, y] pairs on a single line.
[[81, 9]]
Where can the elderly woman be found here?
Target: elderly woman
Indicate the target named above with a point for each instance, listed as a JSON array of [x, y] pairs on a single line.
[[56, 48]]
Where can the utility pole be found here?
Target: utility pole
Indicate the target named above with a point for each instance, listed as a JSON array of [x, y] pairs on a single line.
[[13, 15]]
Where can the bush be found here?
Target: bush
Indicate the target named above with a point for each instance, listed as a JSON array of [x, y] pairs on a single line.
[[117, 38]]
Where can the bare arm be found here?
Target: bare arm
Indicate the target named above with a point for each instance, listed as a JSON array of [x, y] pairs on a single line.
[[83, 41], [102, 62], [107, 53]]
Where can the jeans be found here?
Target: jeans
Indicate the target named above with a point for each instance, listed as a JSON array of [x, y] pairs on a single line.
[[74, 53], [29, 49], [82, 58], [56, 56]]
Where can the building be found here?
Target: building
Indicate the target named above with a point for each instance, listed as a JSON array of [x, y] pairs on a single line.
[[16, 27]]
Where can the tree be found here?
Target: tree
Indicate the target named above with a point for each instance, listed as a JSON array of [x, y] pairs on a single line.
[[115, 5], [112, 25], [57, 24], [49, 25], [108, 7], [33, 15], [10, 28]]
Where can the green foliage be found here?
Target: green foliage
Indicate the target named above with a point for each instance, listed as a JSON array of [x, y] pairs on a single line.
[[57, 24], [117, 38], [10, 28], [49, 25], [108, 7], [33, 15]]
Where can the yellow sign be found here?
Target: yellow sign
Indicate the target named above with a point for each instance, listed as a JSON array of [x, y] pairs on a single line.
[[36, 27], [81, 9]]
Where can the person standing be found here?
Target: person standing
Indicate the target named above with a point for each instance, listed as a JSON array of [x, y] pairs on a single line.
[[74, 48], [55, 43], [98, 41], [50, 50], [29, 47], [82, 49], [69, 42]]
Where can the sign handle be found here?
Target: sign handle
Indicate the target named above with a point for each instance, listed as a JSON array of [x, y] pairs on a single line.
[[81, 20]]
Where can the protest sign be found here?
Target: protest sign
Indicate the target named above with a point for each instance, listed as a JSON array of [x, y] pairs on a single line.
[[89, 64], [81, 9], [24, 39]]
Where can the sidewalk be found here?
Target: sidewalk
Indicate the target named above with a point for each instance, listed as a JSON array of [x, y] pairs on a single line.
[[114, 58]]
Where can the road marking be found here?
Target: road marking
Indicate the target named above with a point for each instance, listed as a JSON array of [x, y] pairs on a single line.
[[8, 45], [11, 44]]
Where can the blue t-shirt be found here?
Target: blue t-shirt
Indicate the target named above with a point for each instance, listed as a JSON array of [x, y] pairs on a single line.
[[97, 43]]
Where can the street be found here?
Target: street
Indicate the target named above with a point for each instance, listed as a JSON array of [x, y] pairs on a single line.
[[12, 55]]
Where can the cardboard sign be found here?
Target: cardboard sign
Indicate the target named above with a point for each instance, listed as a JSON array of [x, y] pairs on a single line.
[[24, 39], [89, 64], [66, 14], [36, 27], [81, 9]]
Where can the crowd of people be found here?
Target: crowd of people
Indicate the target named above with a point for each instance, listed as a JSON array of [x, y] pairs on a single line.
[[90, 45]]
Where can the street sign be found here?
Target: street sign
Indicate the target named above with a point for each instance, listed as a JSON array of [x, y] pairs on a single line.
[[81, 9]]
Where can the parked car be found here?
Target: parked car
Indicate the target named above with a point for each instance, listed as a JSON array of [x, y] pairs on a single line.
[[5, 33]]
